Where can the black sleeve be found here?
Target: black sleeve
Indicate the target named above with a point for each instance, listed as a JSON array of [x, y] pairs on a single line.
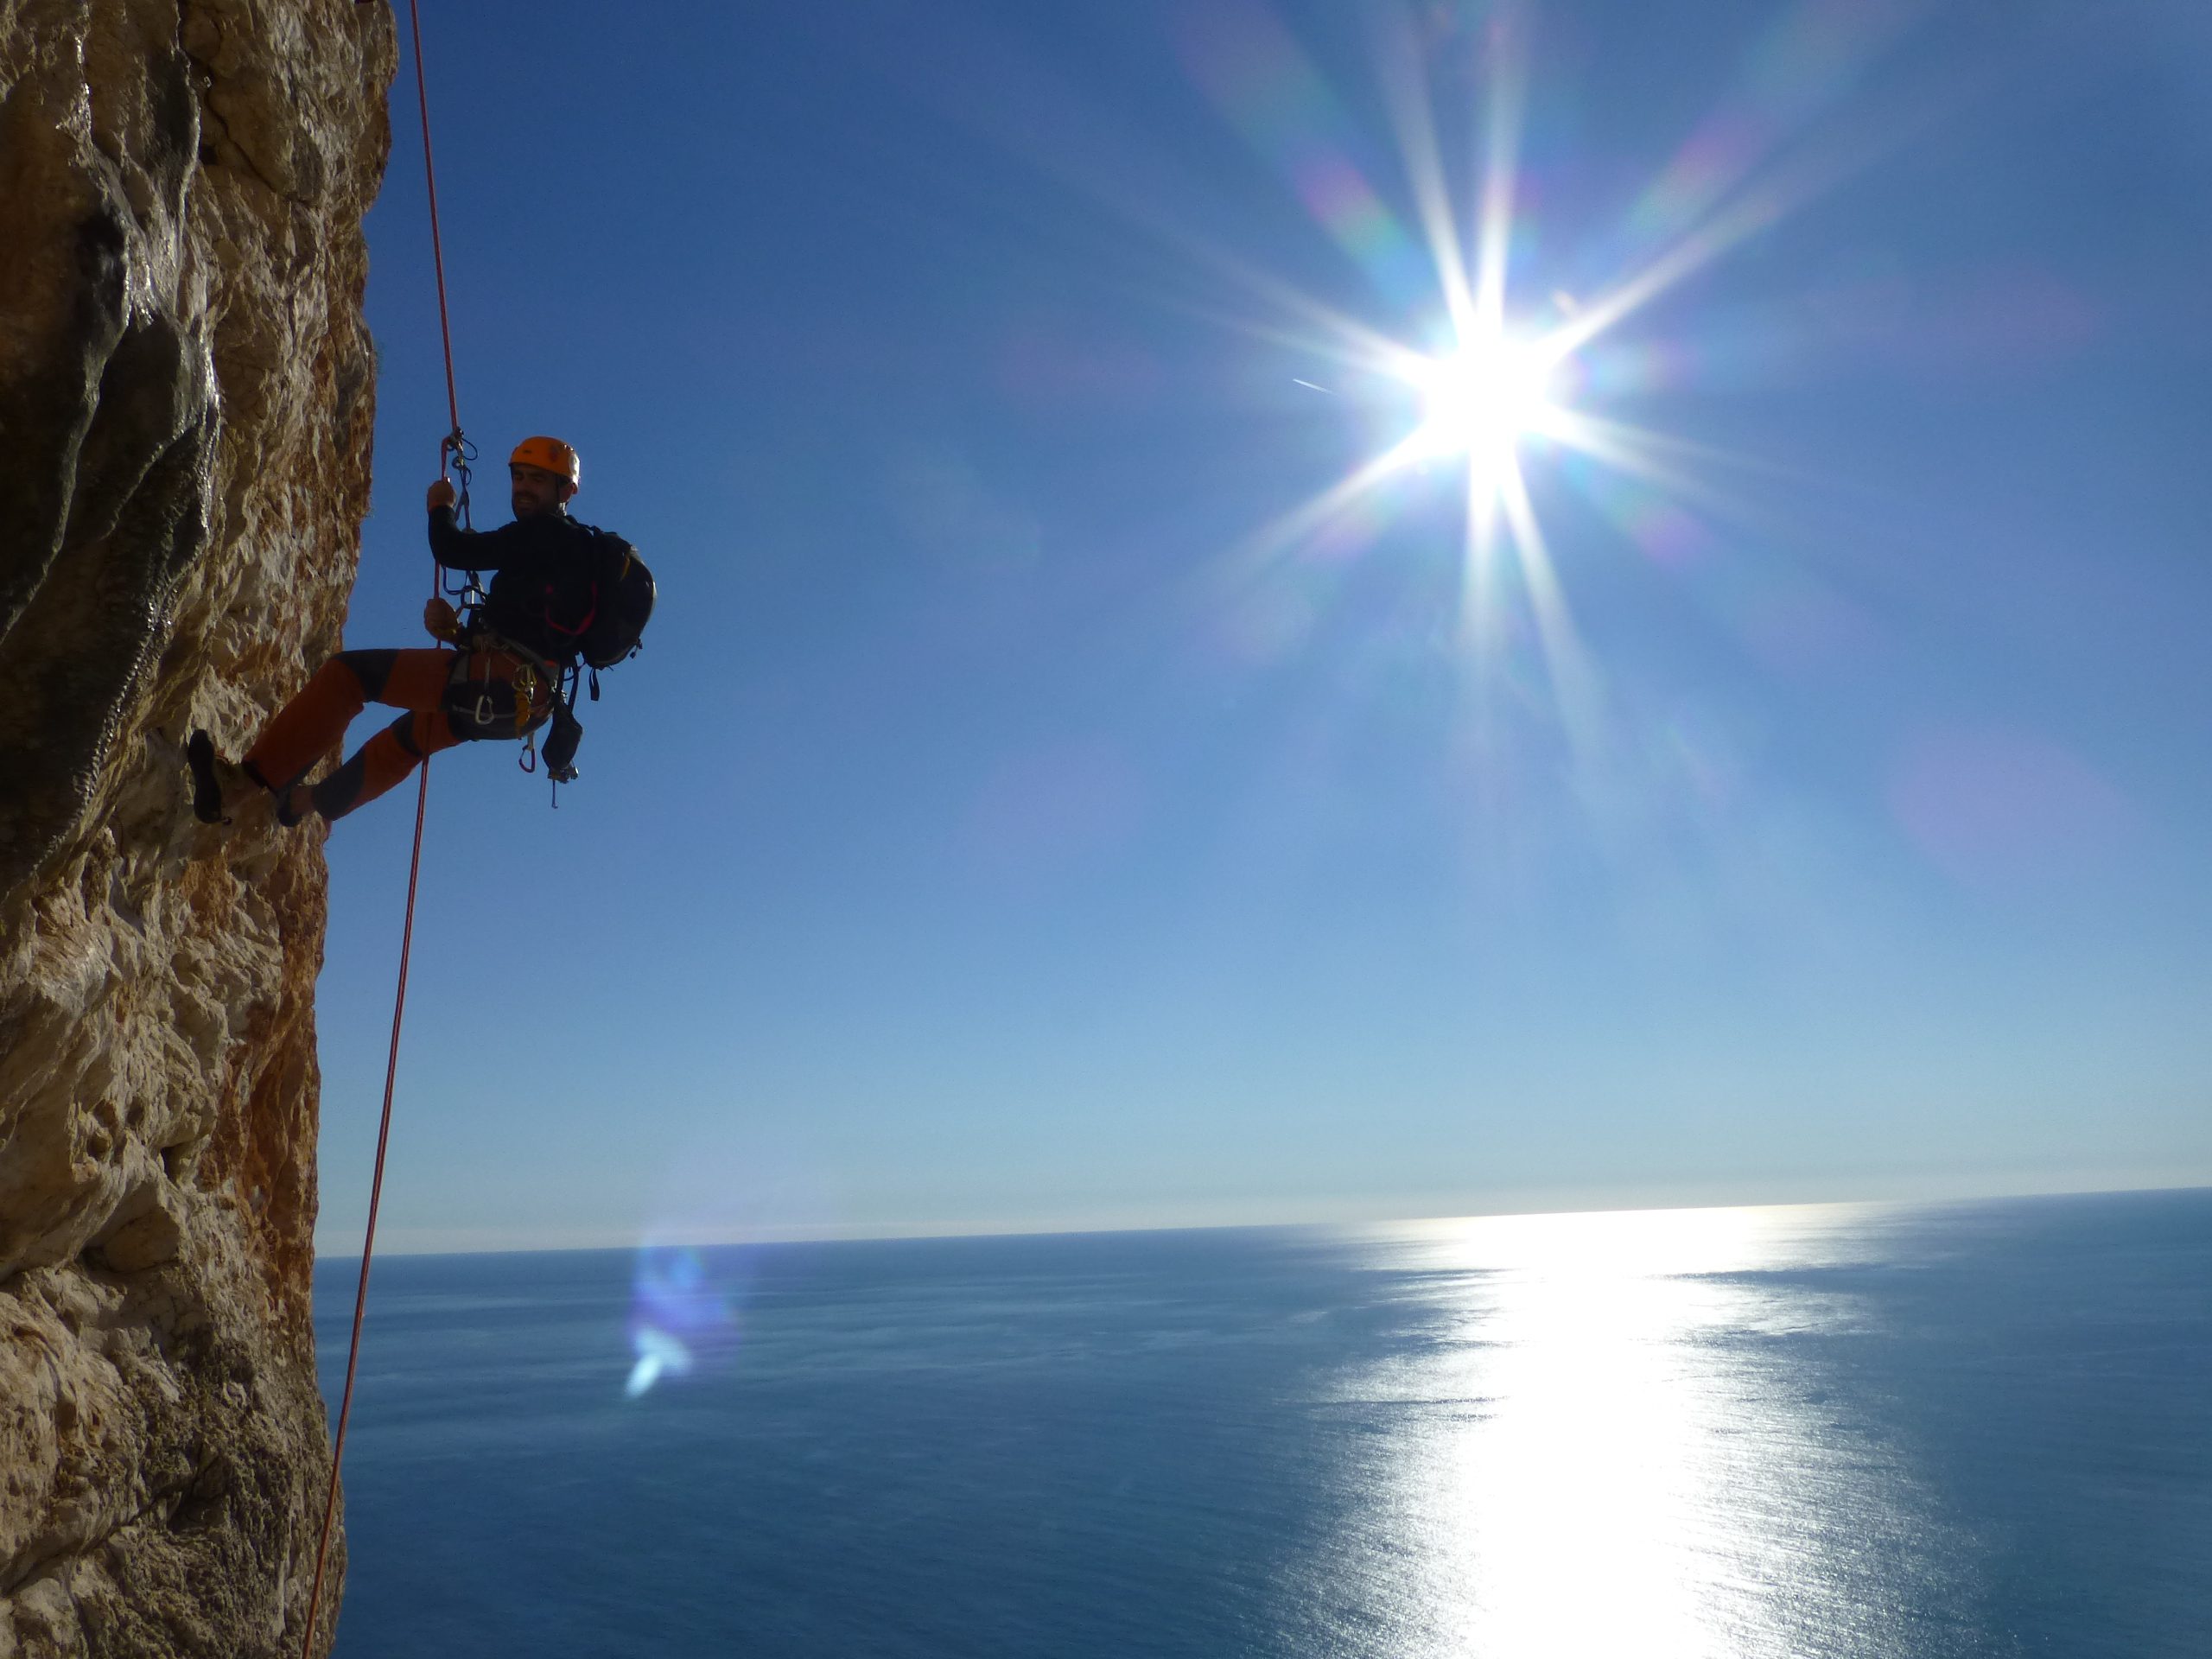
[[467, 549]]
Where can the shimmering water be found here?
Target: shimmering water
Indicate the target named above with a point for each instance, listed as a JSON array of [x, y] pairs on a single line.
[[1979, 1429]]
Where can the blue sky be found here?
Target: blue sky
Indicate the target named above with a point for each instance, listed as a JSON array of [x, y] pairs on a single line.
[[1013, 823]]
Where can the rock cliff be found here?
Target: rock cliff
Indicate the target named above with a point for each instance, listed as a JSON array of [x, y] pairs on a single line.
[[186, 393]]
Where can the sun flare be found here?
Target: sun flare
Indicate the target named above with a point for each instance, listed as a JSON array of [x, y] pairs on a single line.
[[1495, 380], [1482, 400]]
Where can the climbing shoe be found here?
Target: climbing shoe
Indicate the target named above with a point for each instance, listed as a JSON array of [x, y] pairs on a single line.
[[295, 807], [217, 785]]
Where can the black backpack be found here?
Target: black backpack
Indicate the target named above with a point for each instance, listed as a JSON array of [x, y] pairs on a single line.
[[623, 596], [613, 630]]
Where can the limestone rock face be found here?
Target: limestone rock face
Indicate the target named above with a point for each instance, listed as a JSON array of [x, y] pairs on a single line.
[[186, 394]]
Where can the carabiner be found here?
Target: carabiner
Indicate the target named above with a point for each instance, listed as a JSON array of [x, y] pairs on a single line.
[[456, 445]]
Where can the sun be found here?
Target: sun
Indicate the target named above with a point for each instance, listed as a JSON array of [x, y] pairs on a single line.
[[1494, 385], [1482, 399]]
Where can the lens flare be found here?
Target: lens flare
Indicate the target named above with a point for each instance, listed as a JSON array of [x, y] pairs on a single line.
[[1506, 353], [680, 1313], [659, 1355]]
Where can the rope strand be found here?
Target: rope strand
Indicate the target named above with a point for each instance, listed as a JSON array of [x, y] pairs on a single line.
[[454, 445], [430, 184], [375, 1193]]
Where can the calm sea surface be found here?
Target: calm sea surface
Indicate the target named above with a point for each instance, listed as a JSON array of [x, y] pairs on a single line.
[[1974, 1429]]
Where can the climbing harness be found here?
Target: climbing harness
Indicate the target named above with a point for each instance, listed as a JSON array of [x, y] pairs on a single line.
[[455, 450], [500, 688]]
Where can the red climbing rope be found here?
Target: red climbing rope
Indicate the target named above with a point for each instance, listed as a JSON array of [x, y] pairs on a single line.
[[375, 1193], [430, 182], [451, 445]]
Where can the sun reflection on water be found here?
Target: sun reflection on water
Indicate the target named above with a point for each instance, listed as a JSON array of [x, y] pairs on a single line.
[[1599, 1452]]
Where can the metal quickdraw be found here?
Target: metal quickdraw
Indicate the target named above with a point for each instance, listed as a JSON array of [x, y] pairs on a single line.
[[526, 684], [485, 713]]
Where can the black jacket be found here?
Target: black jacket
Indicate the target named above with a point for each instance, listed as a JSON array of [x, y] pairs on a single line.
[[546, 571]]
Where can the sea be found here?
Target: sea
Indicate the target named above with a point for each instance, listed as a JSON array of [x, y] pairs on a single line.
[[1870, 1432]]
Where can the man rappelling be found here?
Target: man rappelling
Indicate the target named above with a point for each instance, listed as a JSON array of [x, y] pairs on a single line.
[[562, 593]]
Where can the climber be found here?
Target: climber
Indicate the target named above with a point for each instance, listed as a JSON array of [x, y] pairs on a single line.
[[554, 596]]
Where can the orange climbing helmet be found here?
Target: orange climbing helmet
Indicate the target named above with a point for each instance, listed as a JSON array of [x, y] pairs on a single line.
[[551, 454]]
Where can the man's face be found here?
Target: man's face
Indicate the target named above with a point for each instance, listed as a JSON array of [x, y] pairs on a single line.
[[537, 490]]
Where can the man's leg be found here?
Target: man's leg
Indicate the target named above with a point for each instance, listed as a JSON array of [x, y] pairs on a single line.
[[312, 723], [384, 760]]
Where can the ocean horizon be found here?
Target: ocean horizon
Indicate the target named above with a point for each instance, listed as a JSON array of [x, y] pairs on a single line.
[[1893, 1429]]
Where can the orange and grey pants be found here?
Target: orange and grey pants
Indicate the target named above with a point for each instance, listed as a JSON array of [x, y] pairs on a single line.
[[450, 697]]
